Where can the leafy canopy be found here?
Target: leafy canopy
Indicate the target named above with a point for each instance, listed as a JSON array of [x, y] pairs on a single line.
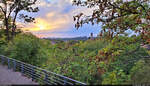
[[116, 16], [10, 10]]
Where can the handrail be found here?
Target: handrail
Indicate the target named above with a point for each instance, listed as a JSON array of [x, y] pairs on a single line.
[[38, 74]]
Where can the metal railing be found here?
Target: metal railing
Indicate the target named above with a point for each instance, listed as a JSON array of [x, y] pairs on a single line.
[[37, 74]]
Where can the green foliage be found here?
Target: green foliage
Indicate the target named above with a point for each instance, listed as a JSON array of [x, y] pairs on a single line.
[[28, 48], [140, 72], [75, 59], [15, 7], [100, 61], [115, 61], [131, 15], [118, 58], [3, 41], [115, 77]]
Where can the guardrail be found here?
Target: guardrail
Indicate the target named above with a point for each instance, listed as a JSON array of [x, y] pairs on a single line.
[[37, 74]]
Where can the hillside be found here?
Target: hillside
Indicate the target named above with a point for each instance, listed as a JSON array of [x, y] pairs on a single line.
[[68, 39], [120, 60]]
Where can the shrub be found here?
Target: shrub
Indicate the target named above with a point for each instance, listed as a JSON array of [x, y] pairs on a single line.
[[140, 72], [27, 48]]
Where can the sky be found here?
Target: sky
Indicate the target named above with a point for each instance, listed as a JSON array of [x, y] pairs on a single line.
[[55, 19]]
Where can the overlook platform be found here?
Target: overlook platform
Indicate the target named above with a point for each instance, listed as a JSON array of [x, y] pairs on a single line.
[[12, 71], [9, 77]]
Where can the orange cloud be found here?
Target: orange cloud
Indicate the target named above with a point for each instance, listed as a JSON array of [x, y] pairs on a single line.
[[40, 24], [52, 18], [52, 22]]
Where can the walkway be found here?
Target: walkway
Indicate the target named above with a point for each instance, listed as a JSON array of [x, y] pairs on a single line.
[[9, 77]]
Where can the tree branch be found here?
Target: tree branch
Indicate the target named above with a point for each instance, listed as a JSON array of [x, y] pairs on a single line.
[[2, 10], [129, 11]]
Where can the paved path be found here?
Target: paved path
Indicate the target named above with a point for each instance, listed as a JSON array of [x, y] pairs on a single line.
[[9, 77]]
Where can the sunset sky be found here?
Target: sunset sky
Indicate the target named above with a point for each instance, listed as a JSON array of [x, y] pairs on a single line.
[[55, 19]]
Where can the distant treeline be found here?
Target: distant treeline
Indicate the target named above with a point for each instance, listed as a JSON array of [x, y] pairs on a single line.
[[67, 39]]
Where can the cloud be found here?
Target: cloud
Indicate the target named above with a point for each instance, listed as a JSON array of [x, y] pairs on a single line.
[[49, 23], [54, 16], [41, 3]]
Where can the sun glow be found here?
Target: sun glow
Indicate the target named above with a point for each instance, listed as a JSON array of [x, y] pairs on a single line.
[[39, 25], [42, 24]]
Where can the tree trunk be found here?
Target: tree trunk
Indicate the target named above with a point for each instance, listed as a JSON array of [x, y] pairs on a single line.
[[13, 31], [14, 25], [7, 29]]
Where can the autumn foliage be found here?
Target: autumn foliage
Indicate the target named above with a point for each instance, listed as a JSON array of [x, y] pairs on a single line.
[[117, 16]]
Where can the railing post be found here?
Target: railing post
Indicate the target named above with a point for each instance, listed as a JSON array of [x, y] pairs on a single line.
[[8, 63], [33, 72], [65, 81], [33, 78], [22, 68], [14, 65], [2, 58], [46, 77]]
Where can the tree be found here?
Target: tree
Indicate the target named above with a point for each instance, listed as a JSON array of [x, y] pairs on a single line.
[[117, 16], [13, 7], [1, 19]]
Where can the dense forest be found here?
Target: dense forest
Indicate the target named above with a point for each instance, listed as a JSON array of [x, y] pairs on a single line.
[[120, 60], [113, 57]]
